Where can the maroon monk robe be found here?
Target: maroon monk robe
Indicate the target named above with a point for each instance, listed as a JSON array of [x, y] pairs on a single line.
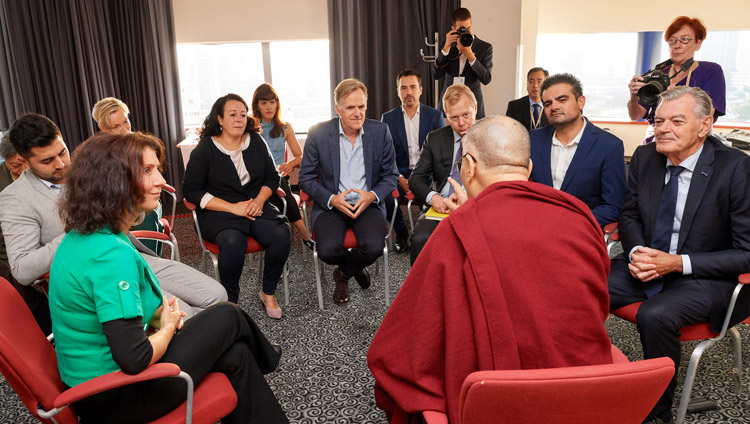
[[514, 279]]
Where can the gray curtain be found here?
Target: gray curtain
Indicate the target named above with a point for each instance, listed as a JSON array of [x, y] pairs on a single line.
[[59, 57], [373, 40]]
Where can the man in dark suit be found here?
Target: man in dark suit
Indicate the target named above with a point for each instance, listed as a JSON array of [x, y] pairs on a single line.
[[437, 162], [576, 156], [409, 125], [349, 170], [685, 230], [469, 65], [528, 109]]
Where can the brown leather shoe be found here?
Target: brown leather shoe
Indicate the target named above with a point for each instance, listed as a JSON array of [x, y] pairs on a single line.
[[341, 292], [363, 278]]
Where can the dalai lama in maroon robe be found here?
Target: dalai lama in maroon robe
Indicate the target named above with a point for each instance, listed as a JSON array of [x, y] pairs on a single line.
[[516, 278]]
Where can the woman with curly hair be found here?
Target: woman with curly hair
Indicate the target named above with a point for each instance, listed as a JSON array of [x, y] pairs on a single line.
[[103, 297]]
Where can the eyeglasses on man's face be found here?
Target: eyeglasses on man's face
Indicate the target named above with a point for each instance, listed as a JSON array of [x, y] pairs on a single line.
[[461, 159]]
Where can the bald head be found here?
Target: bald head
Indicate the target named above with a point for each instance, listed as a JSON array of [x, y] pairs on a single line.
[[499, 150], [501, 144]]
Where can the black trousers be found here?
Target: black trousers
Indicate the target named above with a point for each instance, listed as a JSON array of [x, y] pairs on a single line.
[[369, 227], [223, 338], [422, 232], [683, 301], [272, 234]]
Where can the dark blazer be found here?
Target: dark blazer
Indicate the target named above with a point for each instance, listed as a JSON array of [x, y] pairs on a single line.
[[476, 75], [321, 158], [596, 175], [520, 110], [434, 165], [211, 171], [429, 119], [715, 228]]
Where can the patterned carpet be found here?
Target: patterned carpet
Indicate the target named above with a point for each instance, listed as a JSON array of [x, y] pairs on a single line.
[[323, 376]]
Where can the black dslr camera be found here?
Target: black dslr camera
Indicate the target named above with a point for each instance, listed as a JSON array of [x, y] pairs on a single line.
[[465, 37], [657, 81]]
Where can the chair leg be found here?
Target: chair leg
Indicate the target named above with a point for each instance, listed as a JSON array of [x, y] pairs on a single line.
[[386, 277], [285, 279], [690, 379], [215, 261], [317, 279], [411, 220], [175, 248], [737, 357]]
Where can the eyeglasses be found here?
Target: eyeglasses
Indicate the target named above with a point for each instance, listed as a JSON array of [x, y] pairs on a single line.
[[684, 40], [464, 116], [461, 159]]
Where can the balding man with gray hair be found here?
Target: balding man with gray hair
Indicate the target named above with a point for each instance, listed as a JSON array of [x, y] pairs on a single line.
[[685, 230], [493, 272]]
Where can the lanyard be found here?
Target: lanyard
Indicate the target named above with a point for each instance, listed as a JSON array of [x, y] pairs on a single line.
[[687, 79], [535, 123]]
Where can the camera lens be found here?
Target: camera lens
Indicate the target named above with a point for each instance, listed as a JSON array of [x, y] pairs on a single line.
[[649, 93]]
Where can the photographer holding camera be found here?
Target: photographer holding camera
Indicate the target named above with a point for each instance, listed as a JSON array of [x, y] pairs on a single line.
[[684, 36], [465, 59]]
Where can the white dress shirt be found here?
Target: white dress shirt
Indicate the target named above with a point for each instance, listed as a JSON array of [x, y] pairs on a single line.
[[412, 135], [561, 156]]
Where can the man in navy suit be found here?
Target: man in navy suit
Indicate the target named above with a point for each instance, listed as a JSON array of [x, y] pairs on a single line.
[[469, 65], [349, 170], [685, 230], [576, 156], [528, 109], [409, 125]]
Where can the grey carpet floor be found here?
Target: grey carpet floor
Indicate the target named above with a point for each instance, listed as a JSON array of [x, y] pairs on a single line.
[[323, 375]]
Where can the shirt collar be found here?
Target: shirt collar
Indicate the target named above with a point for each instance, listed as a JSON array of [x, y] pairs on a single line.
[[575, 140], [341, 129], [456, 136], [531, 102], [419, 107], [57, 186], [691, 160]]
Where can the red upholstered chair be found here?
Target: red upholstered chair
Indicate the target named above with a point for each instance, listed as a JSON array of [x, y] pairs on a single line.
[[707, 337], [212, 250], [410, 201], [623, 393], [165, 238], [28, 362], [350, 242], [611, 236]]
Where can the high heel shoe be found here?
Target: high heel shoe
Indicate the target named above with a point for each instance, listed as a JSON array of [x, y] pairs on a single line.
[[272, 313], [309, 244]]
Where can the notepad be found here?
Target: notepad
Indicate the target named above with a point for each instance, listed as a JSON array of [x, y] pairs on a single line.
[[434, 215]]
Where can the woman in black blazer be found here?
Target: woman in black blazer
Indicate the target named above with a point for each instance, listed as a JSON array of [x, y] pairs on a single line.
[[231, 176]]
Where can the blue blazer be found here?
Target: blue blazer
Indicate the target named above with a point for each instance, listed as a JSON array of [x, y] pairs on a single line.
[[320, 169], [429, 119], [596, 175]]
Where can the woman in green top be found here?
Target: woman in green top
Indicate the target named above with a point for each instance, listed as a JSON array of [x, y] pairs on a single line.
[[103, 298]]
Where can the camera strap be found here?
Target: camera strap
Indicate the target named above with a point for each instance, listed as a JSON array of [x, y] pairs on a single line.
[[687, 66]]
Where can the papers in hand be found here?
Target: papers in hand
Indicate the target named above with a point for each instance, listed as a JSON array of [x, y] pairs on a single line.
[[434, 215]]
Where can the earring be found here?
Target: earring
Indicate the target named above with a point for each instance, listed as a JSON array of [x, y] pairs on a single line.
[[221, 128]]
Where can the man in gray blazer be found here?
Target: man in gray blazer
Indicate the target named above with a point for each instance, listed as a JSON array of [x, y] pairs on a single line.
[[33, 229]]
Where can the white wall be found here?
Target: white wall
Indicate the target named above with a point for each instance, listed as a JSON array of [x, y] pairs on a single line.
[[200, 21]]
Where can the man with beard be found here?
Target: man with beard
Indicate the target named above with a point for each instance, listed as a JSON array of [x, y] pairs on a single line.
[[409, 125], [576, 156]]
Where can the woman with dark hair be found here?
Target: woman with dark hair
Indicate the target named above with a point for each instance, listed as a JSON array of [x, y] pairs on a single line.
[[103, 297], [231, 177], [278, 134], [685, 36]]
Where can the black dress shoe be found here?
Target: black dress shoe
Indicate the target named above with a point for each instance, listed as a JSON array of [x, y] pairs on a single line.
[[341, 292], [363, 278], [309, 244], [401, 244]]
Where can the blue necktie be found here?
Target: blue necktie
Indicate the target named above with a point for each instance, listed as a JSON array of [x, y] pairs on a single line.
[[455, 173], [662, 237], [536, 108]]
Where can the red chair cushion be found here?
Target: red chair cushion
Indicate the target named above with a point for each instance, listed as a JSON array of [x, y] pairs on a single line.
[[252, 246], [350, 240], [700, 331], [214, 399]]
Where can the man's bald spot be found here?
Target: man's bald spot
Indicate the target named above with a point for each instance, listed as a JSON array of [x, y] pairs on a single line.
[[499, 142]]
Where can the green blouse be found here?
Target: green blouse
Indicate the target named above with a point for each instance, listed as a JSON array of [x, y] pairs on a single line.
[[96, 278]]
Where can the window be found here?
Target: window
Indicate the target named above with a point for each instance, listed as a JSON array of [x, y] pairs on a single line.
[[605, 63], [299, 73]]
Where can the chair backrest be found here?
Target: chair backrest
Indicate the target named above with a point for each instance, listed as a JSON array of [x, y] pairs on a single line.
[[27, 360], [622, 393]]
